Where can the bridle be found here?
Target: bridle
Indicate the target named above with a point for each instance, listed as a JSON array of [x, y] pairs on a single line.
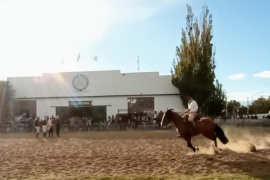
[[161, 123]]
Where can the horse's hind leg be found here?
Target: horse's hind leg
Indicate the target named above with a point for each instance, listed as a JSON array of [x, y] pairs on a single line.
[[214, 143], [212, 137]]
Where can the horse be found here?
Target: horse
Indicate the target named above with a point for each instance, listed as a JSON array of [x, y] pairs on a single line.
[[205, 126]]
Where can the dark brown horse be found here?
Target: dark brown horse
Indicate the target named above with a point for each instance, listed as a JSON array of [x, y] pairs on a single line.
[[205, 126]]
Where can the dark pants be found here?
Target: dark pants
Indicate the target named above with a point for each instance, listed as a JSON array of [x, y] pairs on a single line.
[[57, 128], [51, 132]]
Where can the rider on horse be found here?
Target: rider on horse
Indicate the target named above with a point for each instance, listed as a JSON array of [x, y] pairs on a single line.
[[191, 112]]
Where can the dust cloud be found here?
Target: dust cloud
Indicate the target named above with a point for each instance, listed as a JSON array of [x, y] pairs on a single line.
[[240, 139]]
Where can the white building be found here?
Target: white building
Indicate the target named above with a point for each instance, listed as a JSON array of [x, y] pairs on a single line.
[[94, 93]]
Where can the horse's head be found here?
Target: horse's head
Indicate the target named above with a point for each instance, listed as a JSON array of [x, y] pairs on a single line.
[[166, 120]]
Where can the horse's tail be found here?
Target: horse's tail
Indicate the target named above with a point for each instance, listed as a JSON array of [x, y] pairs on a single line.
[[220, 134]]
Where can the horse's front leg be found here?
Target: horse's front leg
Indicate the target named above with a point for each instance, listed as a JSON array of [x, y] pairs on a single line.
[[192, 147]]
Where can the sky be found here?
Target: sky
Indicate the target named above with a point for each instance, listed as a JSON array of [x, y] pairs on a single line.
[[43, 36]]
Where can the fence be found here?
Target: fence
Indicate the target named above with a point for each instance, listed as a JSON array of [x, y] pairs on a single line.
[[244, 122], [124, 126], [77, 127]]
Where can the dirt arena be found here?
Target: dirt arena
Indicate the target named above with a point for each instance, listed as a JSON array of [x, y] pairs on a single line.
[[133, 155]]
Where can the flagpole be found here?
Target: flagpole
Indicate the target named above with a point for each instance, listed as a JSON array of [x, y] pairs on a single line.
[[95, 58], [78, 57], [79, 65]]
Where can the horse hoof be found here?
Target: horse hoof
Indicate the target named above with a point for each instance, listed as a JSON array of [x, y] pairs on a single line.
[[251, 147], [197, 149]]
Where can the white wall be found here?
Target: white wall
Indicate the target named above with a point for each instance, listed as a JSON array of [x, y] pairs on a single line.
[[110, 88], [101, 83]]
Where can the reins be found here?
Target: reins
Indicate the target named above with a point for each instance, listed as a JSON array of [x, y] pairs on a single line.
[[170, 123]]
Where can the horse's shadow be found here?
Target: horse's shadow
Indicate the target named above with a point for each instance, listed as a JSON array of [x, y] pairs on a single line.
[[254, 164]]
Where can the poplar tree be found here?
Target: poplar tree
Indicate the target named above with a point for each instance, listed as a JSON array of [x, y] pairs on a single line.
[[217, 101], [6, 96], [193, 70]]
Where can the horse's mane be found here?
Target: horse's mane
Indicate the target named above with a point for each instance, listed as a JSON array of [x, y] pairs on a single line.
[[169, 112]]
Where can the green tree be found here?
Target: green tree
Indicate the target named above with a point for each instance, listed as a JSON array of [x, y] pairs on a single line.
[[6, 95], [232, 107], [260, 106], [217, 101], [193, 72], [243, 110]]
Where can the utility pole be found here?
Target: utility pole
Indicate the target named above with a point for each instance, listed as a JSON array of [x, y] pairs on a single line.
[[253, 96], [138, 62], [226, 108], [247, 106]]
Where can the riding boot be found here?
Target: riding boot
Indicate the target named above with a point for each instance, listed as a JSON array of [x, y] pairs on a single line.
[[176, 129], [191, 126]]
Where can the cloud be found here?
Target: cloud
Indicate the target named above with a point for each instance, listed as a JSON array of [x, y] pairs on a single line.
[[264, 74], [237, 76]]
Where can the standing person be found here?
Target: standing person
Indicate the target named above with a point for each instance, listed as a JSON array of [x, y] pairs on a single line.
[[50, 126], [109, 121], [155, 115], [191, 112], [44, 126], [57, 125], [37, 125], [89, 124]]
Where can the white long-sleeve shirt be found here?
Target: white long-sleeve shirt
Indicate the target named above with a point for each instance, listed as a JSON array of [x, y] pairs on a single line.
[[193, 106], [49, 123]]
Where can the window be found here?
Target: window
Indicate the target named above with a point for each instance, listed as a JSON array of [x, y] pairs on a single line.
[[25, 107], [140, 105]]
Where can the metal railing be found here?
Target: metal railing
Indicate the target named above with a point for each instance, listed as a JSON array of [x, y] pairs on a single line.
[[125, 126], [78, 127], [244, 122]]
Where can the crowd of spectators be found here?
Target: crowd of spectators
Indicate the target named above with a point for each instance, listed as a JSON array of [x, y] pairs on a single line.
[[77, 123], [118, 121]]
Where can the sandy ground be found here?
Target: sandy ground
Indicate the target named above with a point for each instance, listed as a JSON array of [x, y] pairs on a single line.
[[143, 153]]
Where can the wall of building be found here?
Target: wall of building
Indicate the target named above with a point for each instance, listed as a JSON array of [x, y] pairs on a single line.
[[101, 83], [113, 104], [105, 88]]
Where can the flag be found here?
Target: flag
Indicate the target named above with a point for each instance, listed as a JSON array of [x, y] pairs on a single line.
[[78, 57], [95, 58]]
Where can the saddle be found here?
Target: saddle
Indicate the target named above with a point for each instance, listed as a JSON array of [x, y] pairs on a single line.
[[191, 124], [197, 118]]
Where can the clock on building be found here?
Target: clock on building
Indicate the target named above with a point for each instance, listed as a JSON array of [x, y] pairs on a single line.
[[80, 82]]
